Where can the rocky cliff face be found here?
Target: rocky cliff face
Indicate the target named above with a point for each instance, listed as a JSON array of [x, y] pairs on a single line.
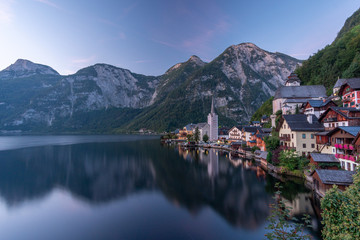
[[240, 79]]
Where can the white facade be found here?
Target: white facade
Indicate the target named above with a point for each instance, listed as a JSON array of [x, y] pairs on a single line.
[[235, 134], [214, 124], [205, 129]]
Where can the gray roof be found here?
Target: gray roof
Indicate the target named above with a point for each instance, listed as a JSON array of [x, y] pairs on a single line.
[[324, 158], [353, 130], [200, 125], [266, 130], [251, 129], [339, 177], [319, 103], [297, 100], [263, 154], [339, 83], [354, 83], [298, 122], [322, 133], [311, 91]]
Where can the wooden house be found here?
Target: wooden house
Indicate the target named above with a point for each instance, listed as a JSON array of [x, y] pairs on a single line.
[[324, 161], [341, 138], [324, 179], [350, 92], [340, 116]]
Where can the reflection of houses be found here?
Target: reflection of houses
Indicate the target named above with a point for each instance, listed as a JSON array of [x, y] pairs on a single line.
[[298, 132], [324, 161], [341, 139], [213, 164], [324, 179], [300, 206], [338, 116]]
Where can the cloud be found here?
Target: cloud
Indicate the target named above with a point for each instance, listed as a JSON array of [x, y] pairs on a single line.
[[6, 13], [49, 3], [84, 60]]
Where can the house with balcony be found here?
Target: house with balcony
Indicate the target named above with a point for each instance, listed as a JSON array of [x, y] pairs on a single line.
[[341, 138], [323, 143], [356, 144], [248, 135], [324, 179], [235, 133], [340, 116], [324, 161], [317, 107], [350, 92], [298, 132], [260, 142]]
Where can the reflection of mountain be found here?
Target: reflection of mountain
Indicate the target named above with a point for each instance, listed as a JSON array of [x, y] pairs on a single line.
[[101, 172], [96, 171]]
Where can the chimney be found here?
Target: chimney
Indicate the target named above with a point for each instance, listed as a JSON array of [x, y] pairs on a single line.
[[309, 118]]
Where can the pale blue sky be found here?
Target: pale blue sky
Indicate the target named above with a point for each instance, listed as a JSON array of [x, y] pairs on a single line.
[[149, 36]]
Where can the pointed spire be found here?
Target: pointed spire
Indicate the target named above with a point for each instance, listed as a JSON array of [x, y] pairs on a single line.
[[212, 106]]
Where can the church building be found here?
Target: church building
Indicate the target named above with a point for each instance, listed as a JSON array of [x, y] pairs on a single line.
[[213, 122]]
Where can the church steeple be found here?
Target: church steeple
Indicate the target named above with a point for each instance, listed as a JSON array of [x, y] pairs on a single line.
[[212, 106]]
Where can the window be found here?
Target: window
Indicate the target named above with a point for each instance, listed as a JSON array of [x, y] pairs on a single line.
[[303, 135], [304, 145], [312, 145], [320, 138], [292, 136], [312, 136]]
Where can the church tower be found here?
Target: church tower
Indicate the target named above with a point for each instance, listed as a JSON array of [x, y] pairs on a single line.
[[213, 122]]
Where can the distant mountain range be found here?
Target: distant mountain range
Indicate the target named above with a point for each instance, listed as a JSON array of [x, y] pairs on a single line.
[[104, 98]]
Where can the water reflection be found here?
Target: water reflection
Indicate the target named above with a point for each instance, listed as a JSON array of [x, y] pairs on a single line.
[[102, 172]]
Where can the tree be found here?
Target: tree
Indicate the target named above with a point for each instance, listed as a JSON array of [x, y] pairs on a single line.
[[205, 138], [189, 137], [279, 222], [341, 212], [197, 134]]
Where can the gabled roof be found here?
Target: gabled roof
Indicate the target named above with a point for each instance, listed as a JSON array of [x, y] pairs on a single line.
[[354, 83], [324, 158], [338, 177], [352, 130], [251, 129], [340, 110], [325, 133], [262, 135], [311, 91], [200, 125], [190, 126], [263, 154], [339, 83], [298, 122], [266, 130], [319, 103]]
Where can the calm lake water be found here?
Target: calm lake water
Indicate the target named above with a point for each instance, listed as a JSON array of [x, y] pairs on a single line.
[[132, 187]]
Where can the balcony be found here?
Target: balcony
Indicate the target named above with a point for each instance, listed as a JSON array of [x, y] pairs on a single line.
[[285, 138], [332, 119], [345, 157]]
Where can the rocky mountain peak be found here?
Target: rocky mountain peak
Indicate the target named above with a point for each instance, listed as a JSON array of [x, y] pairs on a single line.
[[26, 68], [195, 59]]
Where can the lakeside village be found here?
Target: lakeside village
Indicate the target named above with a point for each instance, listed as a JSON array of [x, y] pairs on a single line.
[[309, 134]]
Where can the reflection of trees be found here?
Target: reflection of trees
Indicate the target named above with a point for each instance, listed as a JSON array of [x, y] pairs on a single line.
[[235, 193], [101, 172]]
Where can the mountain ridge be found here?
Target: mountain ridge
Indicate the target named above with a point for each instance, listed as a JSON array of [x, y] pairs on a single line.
[[240, 78]]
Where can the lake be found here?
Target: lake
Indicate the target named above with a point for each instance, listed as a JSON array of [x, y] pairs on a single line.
[[133, 187]]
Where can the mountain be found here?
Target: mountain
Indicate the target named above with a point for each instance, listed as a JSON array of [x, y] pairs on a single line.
[[339, 59], [240, 80], [105, 98], [23, 68]]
